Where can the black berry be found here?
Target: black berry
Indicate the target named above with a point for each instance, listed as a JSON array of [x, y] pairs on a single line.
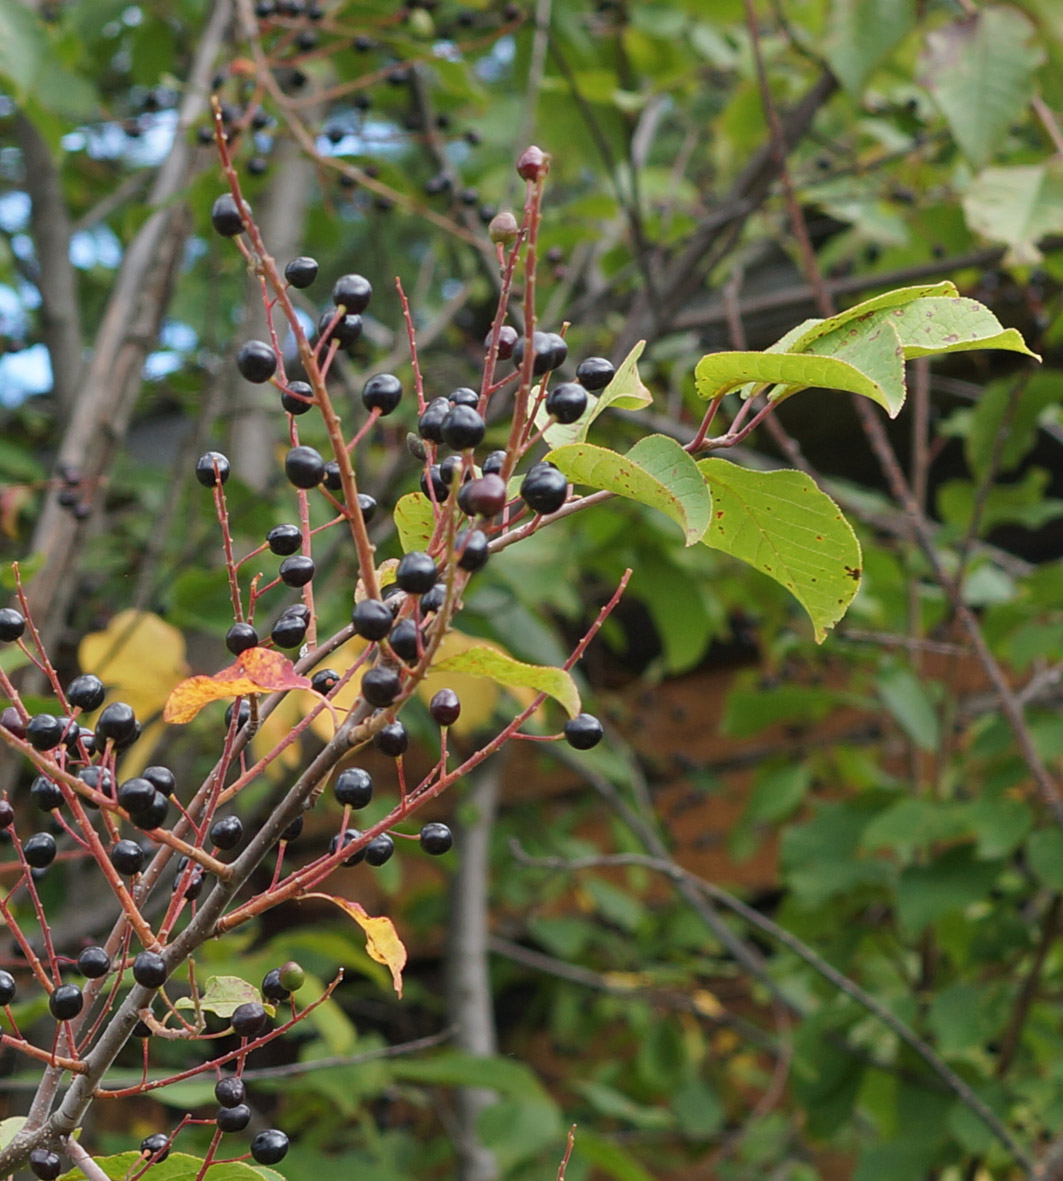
[[7, 987], [544, 489], [226, 832], [45, 1164], [269, 1147], [566, 402], [367, 504], [485, 496], [154, 814], [65, 1002], [595, 373], [353, 787], [136, 794], [284, 539], [94, 962], [39, 850], [127, 857], [436, 838], [301, 272], [507, 341], [289, 631], [233, 1119], [7, 814], [256, 361], [304, 467], [86, 692], [44, 731], [445, 707], [392, 740], [352, 292], [543, 350], [346, 330], [273, 989], [463, 396], [225, 216], [583, 731], [12, 624], [382, 392], [333, 480], [380, 686], [372, 619], [297, 398], [117, 722], [416, 572], [324, 681], [493, 463], [471, 545], [240, 637], [297, 570], [230, 1091], [434, 477], [349, 837], [462, 428], [434, 599], [404, 640], [430, 424], [249, 1019], [161, 778], [379, 849], [156, 1146], [149, 969], [205, 469]]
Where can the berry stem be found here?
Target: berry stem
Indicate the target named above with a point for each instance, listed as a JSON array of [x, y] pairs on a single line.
[[418, 380]]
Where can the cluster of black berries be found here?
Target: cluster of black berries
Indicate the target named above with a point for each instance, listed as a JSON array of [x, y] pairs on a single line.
[[70, 495]]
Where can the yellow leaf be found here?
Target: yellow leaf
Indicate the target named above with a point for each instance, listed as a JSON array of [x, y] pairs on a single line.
[[478, 695], [382, 941], [256, 670], [140, 658]]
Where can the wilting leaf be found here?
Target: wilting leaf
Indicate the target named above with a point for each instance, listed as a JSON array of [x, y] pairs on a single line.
[[382, 941]]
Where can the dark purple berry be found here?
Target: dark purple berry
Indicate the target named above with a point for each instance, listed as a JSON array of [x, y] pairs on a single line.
[[45, 1164], [353, 787], [404, 641], [433, 478], [471, 546], [205, 469], [463, 396], [230, 1091], [301, 272], [430, 424], [249, 1019], [352, 292], [226, 832], [269, 1147], [333, 480], [288, 632], [12, 624], [583, 731], [117, 722], [379, 849], [434, 599], [94, 963], [225, 216], [44, 731], [298, 398], [297, 570], [284, 540], [382, 392], [256, 361], [493, 463], [7, 987], [161, 778], [566, 402], [532, 163], [154, 815], [86, 692], [346, 330], [380, 686], [149, 969], [272, 988], [543, 350], [372, 619], [7, 814], [240, 637], [416, 572], [39, 850], [65, 1002], [462, 428], [324, 681], [304, 467], [233, 1119], [349, 837], [445, 707], [156, 1146], [595, 373], [127, 857], [436, 838], [136, 794], [392, 740], [485, 496], [544, 489], [368, 506]]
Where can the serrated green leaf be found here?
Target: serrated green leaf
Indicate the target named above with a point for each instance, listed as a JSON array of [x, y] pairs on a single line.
[[22, 45], [481, 661], [1017, 206], [178, 1166], [656, 472], [871, 345], [783, 525], [625, 392], [980, 72], [934, 325], [862, 33], [812, 330], [719, 373], [414, 521]]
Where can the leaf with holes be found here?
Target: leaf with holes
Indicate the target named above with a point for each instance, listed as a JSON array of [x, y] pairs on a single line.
[[783, 525], [655, 472]]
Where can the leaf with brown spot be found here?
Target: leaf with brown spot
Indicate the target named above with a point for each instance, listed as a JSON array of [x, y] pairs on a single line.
[[257, 670]]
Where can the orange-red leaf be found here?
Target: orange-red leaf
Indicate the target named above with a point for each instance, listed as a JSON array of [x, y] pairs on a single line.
[[382, 941], [257, 670]]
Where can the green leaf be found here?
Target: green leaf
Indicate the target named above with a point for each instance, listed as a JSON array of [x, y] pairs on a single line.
[[10, 1128], [481, 661], [610, 1158], [223, 994], [414, 521], [655, 472], [1044, 851], [22, 45], [783, 525], [801, 339], [979, 71], [862, 33], [625, 392], [905, 696], [953, 881], [871, 345], [1017, 206], [936, 325], [615, 1105], [453, 1068], [1040, 391], [719, 373], [178, 1166]]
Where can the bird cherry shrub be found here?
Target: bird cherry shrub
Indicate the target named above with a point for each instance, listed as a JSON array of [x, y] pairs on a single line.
[[499, 460]]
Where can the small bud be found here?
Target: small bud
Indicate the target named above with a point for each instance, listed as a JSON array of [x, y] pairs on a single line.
[[415, 446], [532, 163], [503, 228]]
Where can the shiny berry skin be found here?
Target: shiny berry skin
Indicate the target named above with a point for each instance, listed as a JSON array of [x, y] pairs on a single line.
[[205, 465], [543, 349], [45, 1164], [493, 463], [12, 722], [471, 544], [44, 731], [226, 832], [380, 686], [249, 1019], [532, 163], [46, 794], [349, 837], [544, 489], [94, 963], [382, 392], [127, 857], [392, 740], [39, 850], [142, 1030], [161, 778], [225, 216], [7, 987], [65, 1002], [430, 424], [233, 1119], [98, 778], [595, 373], [269, 1147], [324, 681], [292, 976], [379, 849], [230, 1091], [404, 641], [149, 969], [272, 989], [372, 619], [117, 722], [436, 838], [567, 402], [583, 731], [507, 340], [434, 599], [463, 396], [304, 467], [156, 1146], [485, 496], [462, 428], [353, 787], [297, 570], [7, 814], [136, 794], [301, 272], [333, 480], [288, 632], [284, 540], [256, 361], [86, 692], [298, 398], [558, 349], [240, 637], [434, 476], [352, 292], [445, 707], [368, 506], [293, 831], [416, 573], [346, 330], [154, 814], [12, 624]]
